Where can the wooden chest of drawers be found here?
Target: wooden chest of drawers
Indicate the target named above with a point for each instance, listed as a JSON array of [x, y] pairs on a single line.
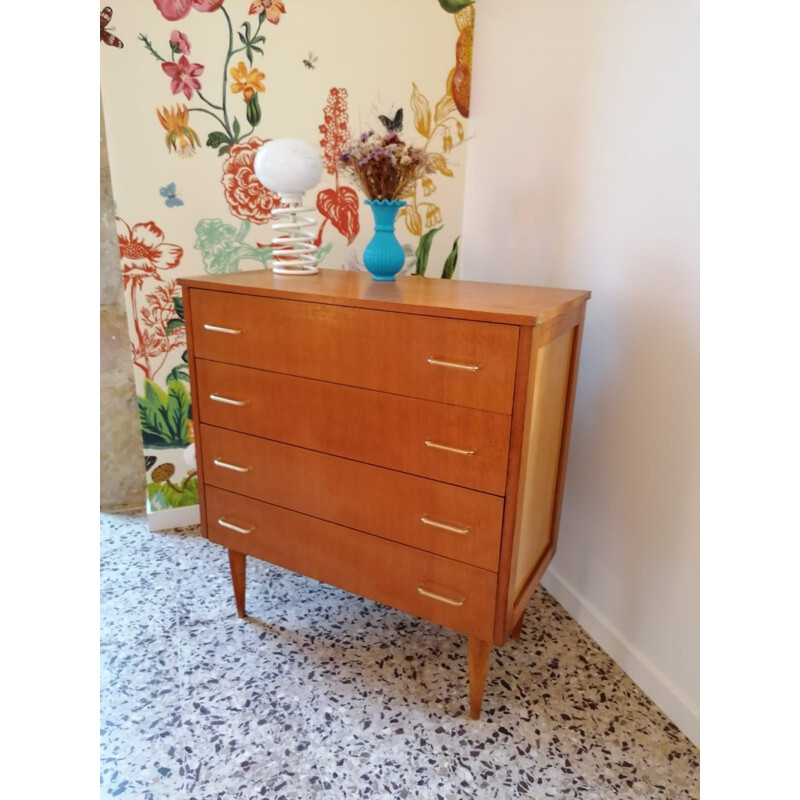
[[403, 441]]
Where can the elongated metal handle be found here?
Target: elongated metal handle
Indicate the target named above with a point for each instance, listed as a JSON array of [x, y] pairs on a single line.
[[225, 524], [440, 597], [229, 400], [437, 446], [218, 329], [437, 362], [444, 526], [226, 465]]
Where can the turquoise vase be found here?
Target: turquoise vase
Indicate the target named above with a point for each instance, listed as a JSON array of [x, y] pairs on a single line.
[[384, 257]]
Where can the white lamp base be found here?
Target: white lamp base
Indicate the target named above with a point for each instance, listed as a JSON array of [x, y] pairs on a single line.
[[294, 253], [296, 271]]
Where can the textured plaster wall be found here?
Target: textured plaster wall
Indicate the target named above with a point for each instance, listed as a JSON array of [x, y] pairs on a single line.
[[122, 476]]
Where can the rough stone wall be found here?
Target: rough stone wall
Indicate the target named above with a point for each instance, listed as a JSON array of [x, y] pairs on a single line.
[[122, 474]]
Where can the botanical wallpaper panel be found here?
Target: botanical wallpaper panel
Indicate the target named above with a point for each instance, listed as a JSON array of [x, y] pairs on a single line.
[[192, 88]]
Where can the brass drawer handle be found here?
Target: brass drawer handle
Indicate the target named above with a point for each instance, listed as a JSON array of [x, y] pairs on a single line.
[[437, 446], [440, 597], [220, 399], [216, 328], [452, 528], [225, 465], [225, 524], [439, 363]]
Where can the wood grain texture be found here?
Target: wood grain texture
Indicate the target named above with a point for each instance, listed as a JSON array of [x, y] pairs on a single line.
[[360, 347], [479, 653], [457, 299], [360, 424], [541, 455], [374, 568], [238, 564], [380, 501], [525, 355], [516, 598]]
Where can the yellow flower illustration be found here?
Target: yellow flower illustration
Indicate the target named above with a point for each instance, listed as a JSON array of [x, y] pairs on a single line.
[[246, 82], [180, 137]]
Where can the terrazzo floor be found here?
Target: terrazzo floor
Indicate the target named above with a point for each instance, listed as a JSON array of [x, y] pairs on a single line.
[[321, 694]]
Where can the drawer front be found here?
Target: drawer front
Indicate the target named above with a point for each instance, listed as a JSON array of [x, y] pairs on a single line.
[[448, 520], [390, 573], [380, 350], [360, 424]]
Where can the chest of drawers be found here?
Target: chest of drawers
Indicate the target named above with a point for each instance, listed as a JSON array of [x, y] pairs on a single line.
[[403, 441]]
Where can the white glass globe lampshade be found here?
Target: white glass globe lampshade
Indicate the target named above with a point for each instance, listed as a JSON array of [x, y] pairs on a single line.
[[289, 167]]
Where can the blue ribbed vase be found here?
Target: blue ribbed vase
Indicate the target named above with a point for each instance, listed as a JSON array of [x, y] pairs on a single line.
[[384, 257]]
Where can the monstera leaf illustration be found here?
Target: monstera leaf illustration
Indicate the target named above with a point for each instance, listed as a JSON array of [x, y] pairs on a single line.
[[340, 206]]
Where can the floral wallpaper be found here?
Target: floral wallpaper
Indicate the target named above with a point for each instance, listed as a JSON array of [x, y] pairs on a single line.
[[192, 88]]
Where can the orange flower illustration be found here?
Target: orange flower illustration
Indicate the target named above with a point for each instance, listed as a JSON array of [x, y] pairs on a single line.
[[247, 197], [246, 82]]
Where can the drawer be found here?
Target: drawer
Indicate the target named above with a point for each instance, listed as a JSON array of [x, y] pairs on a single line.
[[448, 520], [375, 568], [381, 350], [375, 427]]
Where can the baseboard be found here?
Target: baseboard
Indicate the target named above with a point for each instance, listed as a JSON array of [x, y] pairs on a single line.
[[643, 672], [173, 518]]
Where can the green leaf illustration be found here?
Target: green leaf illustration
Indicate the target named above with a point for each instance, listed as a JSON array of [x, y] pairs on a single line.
[[216, 138], [178, 303], [254, 110], [162, 495], [424, 249], [450, 262], [163, 415], [236, 128], [173, 325], [178, 373], [453, 6]]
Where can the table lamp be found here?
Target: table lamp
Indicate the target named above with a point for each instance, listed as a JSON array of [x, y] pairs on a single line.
[[291, 167]]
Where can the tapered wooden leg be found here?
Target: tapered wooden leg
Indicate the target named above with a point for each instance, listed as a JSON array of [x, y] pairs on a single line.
[[515, 634], [238, 573], [479, 652]]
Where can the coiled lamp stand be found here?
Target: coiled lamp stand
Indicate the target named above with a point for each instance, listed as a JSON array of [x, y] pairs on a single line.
[[291, 167]]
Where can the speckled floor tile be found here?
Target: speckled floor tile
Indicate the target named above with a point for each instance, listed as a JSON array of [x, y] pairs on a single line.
[[321, 694]]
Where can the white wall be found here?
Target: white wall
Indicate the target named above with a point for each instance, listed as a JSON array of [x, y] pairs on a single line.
[[583, 173]]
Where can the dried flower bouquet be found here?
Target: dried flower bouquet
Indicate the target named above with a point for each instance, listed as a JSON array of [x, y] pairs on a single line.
[[383, 166]]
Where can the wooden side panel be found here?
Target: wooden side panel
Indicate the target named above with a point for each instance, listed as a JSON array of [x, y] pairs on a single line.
[[540, 456]]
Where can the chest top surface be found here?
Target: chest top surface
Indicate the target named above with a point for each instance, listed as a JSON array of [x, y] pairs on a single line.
[[457, 299]]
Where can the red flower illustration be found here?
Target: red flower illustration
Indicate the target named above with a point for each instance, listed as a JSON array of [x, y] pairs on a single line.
[[247, 197], [184, 76], [178, 9], [180, 42], [143, 252], [340, 206], [335, 130]]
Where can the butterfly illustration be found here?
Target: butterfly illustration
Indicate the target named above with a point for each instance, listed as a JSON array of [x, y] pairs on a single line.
[[168, 192], [105, 35], [393, 125], [148, 462], [309, 62]]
